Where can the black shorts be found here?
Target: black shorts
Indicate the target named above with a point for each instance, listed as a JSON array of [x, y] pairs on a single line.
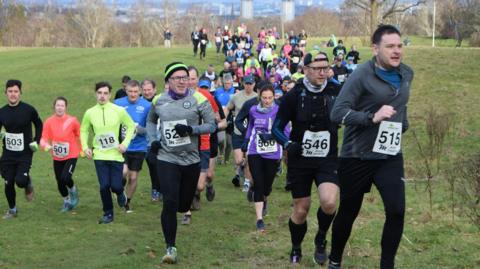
[[204, 160], [301, 179], [134, 160], [213, 145], [356, 176], [237, 141]]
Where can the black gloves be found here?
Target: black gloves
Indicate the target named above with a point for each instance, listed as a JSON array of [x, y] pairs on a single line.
[[183, 130], [294, 149], [265, 137], [245, 145], [155, 146]]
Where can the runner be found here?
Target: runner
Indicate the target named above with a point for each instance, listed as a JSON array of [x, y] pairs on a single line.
[[17, 118], [105, 120], [137, 107], [373, 107], [61, 137], [149, 90], [204, 147], [311, 152], [234, 106], [264, 154], [179, 111]]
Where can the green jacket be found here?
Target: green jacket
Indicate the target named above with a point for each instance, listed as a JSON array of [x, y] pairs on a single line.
[[105, 121]]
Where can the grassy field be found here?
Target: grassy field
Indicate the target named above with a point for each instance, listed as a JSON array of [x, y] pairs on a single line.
[[222, 234]]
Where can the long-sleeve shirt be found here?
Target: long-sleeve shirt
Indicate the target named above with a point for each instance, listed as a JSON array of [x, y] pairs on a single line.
[[187, 111], [63, 135], [105, 120], [138, 111], [17, 121]]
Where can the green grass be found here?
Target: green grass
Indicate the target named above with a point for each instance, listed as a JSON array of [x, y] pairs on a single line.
[[222, 234]]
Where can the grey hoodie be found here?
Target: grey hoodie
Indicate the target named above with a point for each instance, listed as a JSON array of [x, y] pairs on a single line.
[[363, 94]]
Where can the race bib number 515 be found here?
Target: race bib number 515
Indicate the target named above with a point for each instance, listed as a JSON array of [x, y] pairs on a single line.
[[389, 138]]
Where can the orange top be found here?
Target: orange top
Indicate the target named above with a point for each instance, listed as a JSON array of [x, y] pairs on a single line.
[[63, 134], [205, 138]]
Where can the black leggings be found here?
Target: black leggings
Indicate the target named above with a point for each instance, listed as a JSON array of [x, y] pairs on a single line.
[[177, 184], [15, 172], [203, 50], [263, 173], [152, 167], [63, 174], [387, 176]]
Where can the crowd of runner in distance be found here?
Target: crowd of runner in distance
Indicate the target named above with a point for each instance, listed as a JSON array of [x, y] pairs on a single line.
[[271, 110]]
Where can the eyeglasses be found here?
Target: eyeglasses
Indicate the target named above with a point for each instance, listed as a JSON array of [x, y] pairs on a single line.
[[178, 79], [323, 69]]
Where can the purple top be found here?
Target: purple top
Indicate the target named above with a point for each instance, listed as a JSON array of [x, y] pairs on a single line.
[[261, 123]]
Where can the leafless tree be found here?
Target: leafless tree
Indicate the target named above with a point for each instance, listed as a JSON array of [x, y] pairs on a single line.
[[94, 20]]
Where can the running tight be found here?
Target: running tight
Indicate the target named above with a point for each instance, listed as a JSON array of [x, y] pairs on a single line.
[[263, 173]]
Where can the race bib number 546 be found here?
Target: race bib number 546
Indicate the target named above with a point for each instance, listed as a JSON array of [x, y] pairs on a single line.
[[316, 144], [389, 138]]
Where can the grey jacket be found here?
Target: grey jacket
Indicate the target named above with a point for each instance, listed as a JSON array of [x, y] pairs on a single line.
[[195, 109], [363, 94]]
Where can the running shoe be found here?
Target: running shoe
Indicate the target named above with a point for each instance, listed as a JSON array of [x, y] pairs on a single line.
[[334, 265], [11, 213], [128, 209], [29, 192], [171, 256], [122, 199], [250, 195], [260, 225], [236, 181], [73, 198], [155, 196], [106, 219], [320, 254], [196, 201], [295, 256], [246, 186], [67, 206], [187, 219], [210, 193]]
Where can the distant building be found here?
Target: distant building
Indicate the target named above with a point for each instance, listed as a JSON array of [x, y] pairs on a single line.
[[288, 10], [246, 9]]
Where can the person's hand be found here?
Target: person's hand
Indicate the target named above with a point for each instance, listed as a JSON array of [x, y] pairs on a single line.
[[47, 147], [183, 130], [385, 112], [265, 137], [33, 146], [88, 153], [121, 148], [294, 149], [245, 145]]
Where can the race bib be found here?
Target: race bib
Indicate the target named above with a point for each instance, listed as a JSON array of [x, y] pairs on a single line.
[[267, 146], [218, 39], [247, 45], [60, 150], [204, 42], [240, 60], [225, 38], [171, 137], [341, 78], [295, 60], [316, 144], [123, 131], [14, 142], [107, 141], [389, 138]]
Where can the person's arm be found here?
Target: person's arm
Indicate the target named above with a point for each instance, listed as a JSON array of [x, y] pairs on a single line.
[[84, 129], [251, 123], [127, 121], [343, 111], [76, 133], [230, 106], [405, 123], [206, 113], [46, 137], [284, 115], [37, 122], [242, 115], [152, 120]]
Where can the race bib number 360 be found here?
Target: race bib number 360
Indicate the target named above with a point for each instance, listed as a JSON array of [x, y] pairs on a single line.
[[171, 137], [14, 142], [316, 144], [389, 138], [107, 141]]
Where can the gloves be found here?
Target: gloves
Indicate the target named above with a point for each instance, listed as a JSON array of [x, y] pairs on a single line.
[[265, 137], [245, 146], [33, 146], [155, 146], [294, 149], [183, 130]]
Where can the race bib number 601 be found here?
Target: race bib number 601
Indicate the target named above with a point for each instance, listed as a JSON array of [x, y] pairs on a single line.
[[389, 138]]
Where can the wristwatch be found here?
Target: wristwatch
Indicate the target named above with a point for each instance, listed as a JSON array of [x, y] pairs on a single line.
[[370, 117]]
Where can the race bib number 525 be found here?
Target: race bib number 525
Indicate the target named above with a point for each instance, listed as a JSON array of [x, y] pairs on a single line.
[[389, 138], [171, 137]]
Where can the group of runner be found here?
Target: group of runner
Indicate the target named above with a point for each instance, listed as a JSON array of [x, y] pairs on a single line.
[[178, 132]]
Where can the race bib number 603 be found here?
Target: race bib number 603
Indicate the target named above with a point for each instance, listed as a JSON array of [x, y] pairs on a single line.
[[389, 138]]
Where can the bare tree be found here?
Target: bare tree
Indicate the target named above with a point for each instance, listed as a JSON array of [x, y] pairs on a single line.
[[93, 19]]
